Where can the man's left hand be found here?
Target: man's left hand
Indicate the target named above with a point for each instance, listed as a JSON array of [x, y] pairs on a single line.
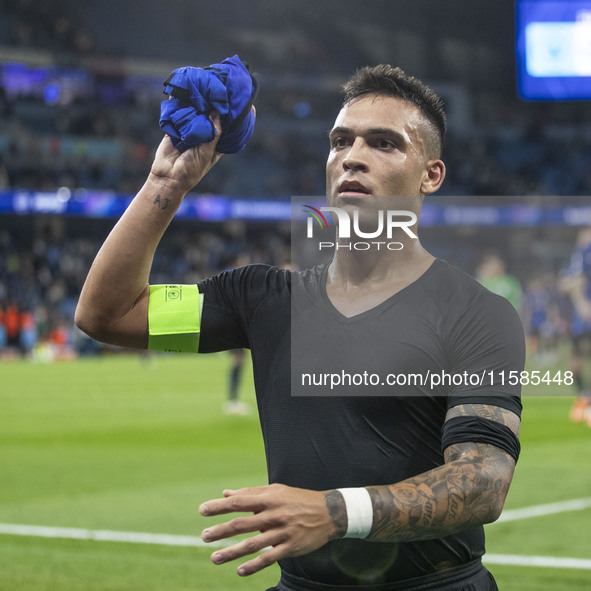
[[289, 521]]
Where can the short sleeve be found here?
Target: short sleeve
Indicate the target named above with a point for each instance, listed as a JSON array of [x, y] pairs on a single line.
[[486, 344], [230, 300]]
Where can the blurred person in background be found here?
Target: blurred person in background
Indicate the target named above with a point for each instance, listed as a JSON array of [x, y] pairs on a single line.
[[29, 336], [12, 324], [541, 317], [233, 405], [3, 336], [576, 283], [492, 273]]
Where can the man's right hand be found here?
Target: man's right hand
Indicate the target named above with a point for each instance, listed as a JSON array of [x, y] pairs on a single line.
[[120, 316], [183, 170]]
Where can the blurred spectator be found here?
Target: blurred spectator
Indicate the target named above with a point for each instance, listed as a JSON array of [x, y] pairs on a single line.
[[12, 325], [493, 275], [576, 282], [28, 332], [100, 135], [541, 317], [46, 278], [3, 335], [233, 405]]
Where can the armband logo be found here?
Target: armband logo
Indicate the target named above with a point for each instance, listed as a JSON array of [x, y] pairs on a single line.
[[174, 313]]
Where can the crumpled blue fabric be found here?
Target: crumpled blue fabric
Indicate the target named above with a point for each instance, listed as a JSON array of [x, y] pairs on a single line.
[[227, 88]]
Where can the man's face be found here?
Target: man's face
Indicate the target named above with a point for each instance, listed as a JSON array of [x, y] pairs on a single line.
[[378, 149]]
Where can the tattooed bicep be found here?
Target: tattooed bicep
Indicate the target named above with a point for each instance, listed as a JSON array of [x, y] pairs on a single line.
[[486, 411], [484, 455]]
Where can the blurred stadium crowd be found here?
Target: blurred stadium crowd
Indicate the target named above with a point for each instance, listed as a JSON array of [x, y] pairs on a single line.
[[79, 110]]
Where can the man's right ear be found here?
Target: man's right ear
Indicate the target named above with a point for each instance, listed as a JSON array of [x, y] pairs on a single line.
[[435, 174]]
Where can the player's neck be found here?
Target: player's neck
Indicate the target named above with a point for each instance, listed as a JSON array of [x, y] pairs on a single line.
[[353, 268], [355, 285]]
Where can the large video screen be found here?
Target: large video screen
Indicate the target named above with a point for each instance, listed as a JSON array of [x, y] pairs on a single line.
[[554, 49]]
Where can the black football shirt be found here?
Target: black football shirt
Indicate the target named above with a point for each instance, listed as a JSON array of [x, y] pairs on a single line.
[[321, 438]]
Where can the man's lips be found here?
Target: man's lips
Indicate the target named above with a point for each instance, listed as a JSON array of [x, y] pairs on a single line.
[[352, 188]]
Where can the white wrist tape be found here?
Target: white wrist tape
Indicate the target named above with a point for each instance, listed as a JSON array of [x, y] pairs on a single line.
[[359, 512]]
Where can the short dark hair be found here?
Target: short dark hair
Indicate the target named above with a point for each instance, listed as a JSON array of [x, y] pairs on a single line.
[[384, 79]]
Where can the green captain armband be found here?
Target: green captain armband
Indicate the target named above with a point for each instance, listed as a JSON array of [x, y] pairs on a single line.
[[174, 318]]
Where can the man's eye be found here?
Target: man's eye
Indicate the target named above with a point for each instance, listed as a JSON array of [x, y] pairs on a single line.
[[386, 144], [339, 142]]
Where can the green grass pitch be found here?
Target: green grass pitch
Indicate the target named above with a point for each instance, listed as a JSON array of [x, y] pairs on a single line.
[[120, 443]]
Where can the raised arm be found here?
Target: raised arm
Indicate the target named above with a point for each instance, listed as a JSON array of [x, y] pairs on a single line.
[[468, 490], [113, 305]]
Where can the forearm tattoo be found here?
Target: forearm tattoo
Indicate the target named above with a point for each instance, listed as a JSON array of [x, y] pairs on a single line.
[[338, 513], [161, 203], [468, 490]]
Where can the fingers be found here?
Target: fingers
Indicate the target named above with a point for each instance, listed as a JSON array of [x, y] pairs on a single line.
[[251, 545], [215, 119], [231, 505], [238, 525], [270, 540], [287, 522], [263, 561], [243, 500]]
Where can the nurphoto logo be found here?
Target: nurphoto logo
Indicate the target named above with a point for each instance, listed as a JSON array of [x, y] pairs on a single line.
[[346, 228]]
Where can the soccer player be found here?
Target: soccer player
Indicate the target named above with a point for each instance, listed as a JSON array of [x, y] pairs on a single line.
[[541, 316], [366, 492], [234, 406], [492, 273], [576, 282]]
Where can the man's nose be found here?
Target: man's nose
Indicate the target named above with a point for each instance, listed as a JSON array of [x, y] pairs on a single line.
[[356, 157]]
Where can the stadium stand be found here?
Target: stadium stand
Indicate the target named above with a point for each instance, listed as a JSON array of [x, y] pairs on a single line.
[[79, 103]]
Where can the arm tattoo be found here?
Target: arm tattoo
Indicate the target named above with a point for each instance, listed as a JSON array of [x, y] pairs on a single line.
[[162, 204], [486, 411], [338, 512], [467, 491]]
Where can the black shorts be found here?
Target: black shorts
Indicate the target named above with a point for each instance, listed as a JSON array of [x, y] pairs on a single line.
[[469, 577]]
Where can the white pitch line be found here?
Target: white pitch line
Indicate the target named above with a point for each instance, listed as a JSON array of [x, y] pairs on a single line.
[[547, 561], [542, 510], [173, 540], [98, 535], [194, 541]]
